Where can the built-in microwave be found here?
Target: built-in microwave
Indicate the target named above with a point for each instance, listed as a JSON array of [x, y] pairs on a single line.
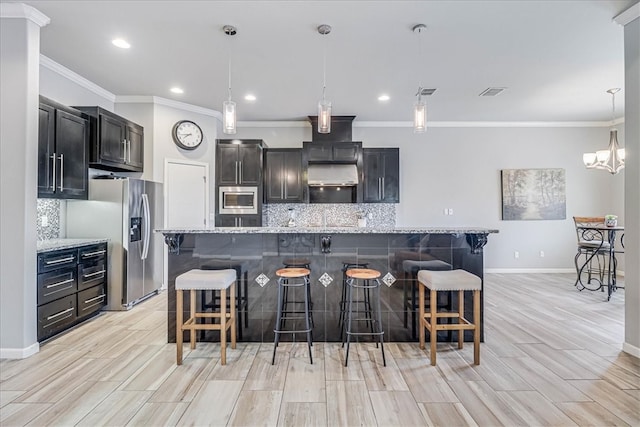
[[238, 200]]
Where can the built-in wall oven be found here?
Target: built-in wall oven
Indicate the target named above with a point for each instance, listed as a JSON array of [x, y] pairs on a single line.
[[242, 200]]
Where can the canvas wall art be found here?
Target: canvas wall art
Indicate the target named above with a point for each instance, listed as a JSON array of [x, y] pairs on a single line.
[[533, 194]]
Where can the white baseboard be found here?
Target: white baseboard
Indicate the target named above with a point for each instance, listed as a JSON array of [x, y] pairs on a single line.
[[631, 349], [529, 270], [19, 353]]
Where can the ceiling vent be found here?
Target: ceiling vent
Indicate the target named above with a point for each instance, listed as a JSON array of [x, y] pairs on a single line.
[[492, 91], [425, 91]]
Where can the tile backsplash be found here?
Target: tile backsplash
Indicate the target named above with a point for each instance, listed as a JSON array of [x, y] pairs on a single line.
[[336, 214], [48, 223]]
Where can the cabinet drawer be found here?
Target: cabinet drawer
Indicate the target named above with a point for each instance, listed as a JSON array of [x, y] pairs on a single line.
[[94, 252], [56, 284], [56, 316], [91, 273], [91, 300], [49, 261]]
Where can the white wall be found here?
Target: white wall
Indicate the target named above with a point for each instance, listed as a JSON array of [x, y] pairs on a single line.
[[460, 167]]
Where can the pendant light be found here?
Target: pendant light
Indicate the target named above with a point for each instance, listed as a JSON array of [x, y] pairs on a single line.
[[324, 106], [611, 159], [420, 106], [228, 106]]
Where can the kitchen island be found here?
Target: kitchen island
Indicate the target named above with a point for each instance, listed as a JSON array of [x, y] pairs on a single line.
[[258, 252]]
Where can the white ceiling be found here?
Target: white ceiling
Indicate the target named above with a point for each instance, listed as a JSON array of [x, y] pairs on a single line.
[[557, 58]]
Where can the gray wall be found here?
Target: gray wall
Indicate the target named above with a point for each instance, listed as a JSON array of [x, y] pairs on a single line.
[[459, 168], [632, 195]]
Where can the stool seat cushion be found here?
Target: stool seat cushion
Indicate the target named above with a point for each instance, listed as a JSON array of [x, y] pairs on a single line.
[[412, 266], [363, 273], [206, 279], [293, 272], [452, 280]]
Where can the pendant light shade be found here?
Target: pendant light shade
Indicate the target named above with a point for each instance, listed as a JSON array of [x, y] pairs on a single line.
[[611, 159], [324, 106], [228, 106], [420, 106]]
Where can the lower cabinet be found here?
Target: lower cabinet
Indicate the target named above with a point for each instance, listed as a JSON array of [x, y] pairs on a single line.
[[238, 221], [72, 286]]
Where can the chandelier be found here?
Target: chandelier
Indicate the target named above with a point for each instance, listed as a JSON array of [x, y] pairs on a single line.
[[611, 159]]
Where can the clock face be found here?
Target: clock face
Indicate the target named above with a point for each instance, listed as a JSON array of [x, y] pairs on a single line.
[[187, 134]]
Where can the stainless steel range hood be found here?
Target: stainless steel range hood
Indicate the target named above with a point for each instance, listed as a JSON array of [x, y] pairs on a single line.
[[332, 175]]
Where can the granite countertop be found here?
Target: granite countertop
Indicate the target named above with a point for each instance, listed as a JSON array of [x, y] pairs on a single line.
[[56, 244], [327, 230]]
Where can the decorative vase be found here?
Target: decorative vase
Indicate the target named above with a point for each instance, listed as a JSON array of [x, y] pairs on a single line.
[[611, 222]]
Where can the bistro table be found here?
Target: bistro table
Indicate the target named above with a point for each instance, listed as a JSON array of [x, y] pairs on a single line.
[[600, 234]]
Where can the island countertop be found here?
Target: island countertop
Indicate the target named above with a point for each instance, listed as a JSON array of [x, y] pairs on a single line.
[[329, 230]]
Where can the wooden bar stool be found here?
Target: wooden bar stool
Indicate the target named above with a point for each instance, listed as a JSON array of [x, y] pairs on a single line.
[[292, 278], [198, 280], [453, 280], [347, 265], [364, 279]]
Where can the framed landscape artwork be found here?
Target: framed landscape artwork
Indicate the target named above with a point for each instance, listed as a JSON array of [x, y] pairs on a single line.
[[533, 194]]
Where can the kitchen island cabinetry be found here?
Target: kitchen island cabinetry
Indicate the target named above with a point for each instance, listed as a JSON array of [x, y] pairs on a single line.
[[72, 286], [63, 151], [283, 176], [381, 170], [239, 162], [117, 144]]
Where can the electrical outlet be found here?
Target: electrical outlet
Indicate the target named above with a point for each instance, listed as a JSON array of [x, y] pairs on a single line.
[[450, 211], [541, 254], [516, 254], [44, 220], [445, 211]]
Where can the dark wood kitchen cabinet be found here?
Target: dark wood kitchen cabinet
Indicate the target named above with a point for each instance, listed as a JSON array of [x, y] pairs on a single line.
[[63, 151], [72, 286], [239, 162], [332, 152], [381, 171], [284, 179], [117, 144], [238, 221]]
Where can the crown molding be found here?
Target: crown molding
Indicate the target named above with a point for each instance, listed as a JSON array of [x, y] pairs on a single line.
[[628, 15], [275, 124], [461, 124], [158, 100], [21, 10], [76, 78]]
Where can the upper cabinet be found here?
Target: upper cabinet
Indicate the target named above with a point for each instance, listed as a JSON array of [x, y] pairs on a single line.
[[63, 151], [381, 170], [283, 181], [239, 162], [332, 152], [117, 144]]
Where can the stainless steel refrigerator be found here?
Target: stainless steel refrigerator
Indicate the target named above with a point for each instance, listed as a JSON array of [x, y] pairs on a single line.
[[125, 211]]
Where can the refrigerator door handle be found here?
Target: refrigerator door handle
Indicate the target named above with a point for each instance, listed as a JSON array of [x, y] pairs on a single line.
[[146, 218]]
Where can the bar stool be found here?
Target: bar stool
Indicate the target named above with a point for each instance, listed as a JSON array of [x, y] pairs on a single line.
[[292, 278], [410, 302], [297, 263], [346, 265], [362, 278], [242, 290], [197, 280], [452, 280]]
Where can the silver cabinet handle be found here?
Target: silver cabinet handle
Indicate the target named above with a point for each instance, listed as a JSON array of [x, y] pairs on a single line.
[[53, 161], [90, 254], [240, 174], [64, 282], [86, 276], [94, 299], [129, 151], [53, 316], [382, 187], [61, 172], [379, 188], [124, 150], [58, 261]]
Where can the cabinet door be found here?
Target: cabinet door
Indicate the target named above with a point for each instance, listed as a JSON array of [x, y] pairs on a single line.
[[72, 133], [345, 152], [250, 164], [226, 221], [249, 221], [112, 139], [227, 164], [46, 148], [292, 176], [274, 171], [373, 169], [391, 176], [135, 147], [319, 152]]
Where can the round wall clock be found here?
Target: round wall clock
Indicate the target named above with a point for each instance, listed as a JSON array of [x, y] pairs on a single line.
[[187, 135]]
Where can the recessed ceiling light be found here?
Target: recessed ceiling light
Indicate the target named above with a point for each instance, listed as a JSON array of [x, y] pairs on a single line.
[[121, 43], [384, 98], [250, 97], [176, 90]]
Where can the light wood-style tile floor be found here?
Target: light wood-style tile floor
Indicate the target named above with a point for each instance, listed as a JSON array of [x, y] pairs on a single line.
[[551, 356]]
